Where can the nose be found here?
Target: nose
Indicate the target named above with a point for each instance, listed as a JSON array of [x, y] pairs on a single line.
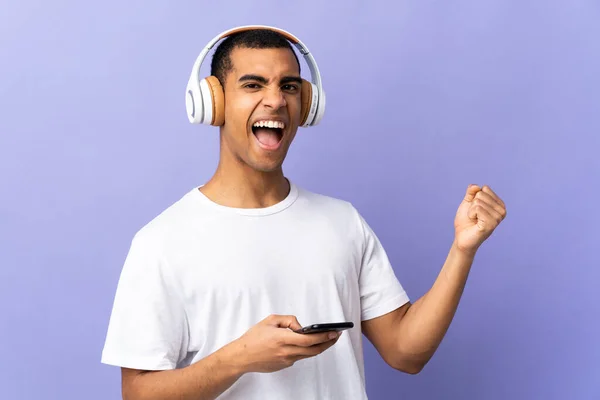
[[274, 98]]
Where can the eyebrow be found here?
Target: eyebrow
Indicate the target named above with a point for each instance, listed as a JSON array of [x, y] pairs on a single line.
[[263, 80], [288, 79]]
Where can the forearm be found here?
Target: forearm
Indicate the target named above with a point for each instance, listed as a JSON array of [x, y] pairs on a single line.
[[424, 325], [203, 380]]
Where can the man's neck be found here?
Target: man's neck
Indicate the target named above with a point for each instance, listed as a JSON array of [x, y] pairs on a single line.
[[246, 188]]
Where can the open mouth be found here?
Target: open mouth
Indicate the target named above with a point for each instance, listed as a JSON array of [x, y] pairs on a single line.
[[268, 133]]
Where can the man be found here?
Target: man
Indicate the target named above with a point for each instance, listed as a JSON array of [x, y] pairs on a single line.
[[213, 288]]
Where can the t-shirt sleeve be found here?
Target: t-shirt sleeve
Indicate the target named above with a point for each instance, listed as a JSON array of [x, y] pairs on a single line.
[[380, 290], [148, 327]]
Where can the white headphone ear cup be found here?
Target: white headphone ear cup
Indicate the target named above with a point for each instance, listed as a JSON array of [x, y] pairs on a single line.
[[320, 109], [207, 102], [193, 102]]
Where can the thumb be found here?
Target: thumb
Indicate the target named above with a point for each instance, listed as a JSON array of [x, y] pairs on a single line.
[[287, 321], [471, 192]]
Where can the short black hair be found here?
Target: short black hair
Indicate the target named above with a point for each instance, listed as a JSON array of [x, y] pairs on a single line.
[[251, 39]]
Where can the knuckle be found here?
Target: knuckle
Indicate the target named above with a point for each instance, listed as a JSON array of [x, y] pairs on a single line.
[[324, 347], [283, 354]]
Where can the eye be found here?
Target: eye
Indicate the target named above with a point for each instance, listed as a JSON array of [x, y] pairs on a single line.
[[251, 86], [290, 87]]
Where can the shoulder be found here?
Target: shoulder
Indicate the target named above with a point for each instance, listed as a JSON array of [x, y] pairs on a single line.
[[335, 210], [168, 223]]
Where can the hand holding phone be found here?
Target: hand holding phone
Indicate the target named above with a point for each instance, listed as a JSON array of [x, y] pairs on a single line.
[[272, 344]]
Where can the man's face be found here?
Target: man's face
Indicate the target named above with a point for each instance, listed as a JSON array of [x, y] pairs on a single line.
[[262, 106]]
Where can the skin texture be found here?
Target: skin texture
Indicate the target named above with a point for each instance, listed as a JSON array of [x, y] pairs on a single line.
[[408, 337], [269, 346], [249, 176]]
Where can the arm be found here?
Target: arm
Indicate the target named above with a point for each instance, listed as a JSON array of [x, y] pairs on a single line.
[[408, 337], [268, 346], [148, 332], [206, 379]]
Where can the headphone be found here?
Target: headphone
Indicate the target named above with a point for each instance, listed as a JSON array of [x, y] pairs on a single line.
[[205, 100]]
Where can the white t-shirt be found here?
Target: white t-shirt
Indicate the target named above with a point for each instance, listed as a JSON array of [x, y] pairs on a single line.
[[200, 274]]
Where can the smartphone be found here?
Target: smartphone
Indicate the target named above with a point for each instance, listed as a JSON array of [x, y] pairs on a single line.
[[329, 327]]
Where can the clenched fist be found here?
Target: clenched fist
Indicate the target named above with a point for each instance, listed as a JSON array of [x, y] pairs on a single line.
[[479, 213]]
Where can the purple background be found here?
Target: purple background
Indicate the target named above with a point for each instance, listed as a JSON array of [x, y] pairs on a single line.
[[423, 98]]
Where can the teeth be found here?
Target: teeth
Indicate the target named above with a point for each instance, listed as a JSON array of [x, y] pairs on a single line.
[[269, 124]]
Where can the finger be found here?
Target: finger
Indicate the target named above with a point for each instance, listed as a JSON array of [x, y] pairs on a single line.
[[311, 339], [487, 200], [308, 340], [471, 192], [286, 321], [300, 352], [486, 217], [488, 190]]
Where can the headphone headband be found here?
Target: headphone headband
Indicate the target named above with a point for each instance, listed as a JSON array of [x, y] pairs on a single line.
[[244, 28], [316, 108]]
